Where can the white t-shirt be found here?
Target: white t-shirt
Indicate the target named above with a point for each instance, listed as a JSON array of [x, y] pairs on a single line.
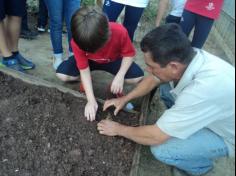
[[134, 3], [204, 98], [177, 7]]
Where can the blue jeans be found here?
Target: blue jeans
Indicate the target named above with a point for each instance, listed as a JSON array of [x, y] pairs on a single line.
[[194, 155], [58, 11], [132, 15], [202, 26]]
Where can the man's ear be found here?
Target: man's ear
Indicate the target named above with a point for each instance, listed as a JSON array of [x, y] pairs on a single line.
[[177, 69]]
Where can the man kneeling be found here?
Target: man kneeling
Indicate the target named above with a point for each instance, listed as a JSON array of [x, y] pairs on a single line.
[[199, 89]]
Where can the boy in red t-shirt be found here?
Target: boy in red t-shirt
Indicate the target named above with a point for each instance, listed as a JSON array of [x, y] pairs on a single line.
[[99, 45], [200, 14]]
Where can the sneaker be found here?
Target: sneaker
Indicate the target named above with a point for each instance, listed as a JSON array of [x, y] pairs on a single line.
[[41, 29], [12, 64], [24, 63], [28, 34]]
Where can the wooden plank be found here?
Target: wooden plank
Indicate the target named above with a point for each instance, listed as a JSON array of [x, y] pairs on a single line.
[[143, 120]]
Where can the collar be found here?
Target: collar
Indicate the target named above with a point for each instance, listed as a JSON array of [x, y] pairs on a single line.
[[189, 73]]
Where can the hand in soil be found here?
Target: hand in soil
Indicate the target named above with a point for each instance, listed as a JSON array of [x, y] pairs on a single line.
[[118, 103], [91, 110], [108, 128], [117, 84]]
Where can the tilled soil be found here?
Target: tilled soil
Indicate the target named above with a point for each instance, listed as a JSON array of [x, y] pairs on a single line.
[[43, 132]]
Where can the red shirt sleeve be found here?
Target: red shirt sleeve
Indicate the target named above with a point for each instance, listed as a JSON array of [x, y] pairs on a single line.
[[80, 56], [127, 48]]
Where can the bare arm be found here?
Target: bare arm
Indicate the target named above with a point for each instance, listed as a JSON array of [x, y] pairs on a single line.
[[143, 88], [91, 106], [87, 83], [163, 5], [118, 82], [145, 135]]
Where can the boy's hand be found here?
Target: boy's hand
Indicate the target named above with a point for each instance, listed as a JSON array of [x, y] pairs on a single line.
[[119, 103], [117, 84], [91, 110]]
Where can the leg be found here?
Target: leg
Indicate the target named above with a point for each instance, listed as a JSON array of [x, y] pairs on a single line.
[[189, 20], [6, 52], [202, 30], [194, 155], [24, 23], [43, 15], [70, 7], [68, 71], [132, 17], [55, 9], [173, 19], [133, 75], [112, 9], [13, 27], [166, 96]]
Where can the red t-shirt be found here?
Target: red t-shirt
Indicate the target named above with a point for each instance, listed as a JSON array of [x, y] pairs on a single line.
[[118, 46], [207, 8]]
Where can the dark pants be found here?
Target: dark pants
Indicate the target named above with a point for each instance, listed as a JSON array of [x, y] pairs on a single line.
[[173, 19], [69, 68], [24, 22], [11, 8], [132, 15], [43, 14], [202, 26]]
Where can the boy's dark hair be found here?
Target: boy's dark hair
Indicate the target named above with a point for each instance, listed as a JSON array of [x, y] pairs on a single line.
[[90, 28], [168, 43]]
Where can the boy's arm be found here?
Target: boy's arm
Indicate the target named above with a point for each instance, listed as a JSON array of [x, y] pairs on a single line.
[[118, 82], [162, 8], [92, 106], [143, 88]]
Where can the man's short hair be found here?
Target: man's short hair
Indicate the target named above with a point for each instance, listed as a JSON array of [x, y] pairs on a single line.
[[90, 28], [168, 43]]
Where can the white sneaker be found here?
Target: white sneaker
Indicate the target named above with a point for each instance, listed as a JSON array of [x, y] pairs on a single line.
[[57, 62]]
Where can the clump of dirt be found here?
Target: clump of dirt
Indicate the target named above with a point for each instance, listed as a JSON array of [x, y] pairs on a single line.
[[43, 132]]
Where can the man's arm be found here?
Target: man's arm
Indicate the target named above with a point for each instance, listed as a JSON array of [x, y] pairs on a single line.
[[145, 135], [163, 5]]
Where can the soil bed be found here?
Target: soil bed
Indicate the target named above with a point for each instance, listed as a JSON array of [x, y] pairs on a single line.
[[43, 132]]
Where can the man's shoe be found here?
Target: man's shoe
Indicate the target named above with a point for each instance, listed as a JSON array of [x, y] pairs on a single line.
[[24, 63], [28, 34], [12, 64]]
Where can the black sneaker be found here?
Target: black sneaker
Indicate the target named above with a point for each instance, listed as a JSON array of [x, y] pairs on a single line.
[[28, 34]]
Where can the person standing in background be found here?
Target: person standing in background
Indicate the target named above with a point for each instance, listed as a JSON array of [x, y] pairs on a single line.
[[42, 16], [175, 15], [11, 12], [26, 32], [133, 12], [58, 11], [200, 14]]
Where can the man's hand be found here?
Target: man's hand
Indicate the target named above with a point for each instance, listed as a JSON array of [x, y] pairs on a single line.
[[108, 128], [119, 103], [91, 110], [117, 84]]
